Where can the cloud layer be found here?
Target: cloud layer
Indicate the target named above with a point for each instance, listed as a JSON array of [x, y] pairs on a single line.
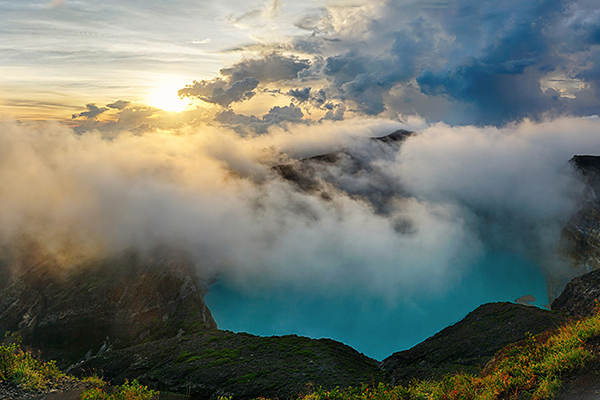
[[457, 191], [451, 206]]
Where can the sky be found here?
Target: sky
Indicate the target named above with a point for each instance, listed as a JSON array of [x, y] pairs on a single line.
[[140, 124], [455, 61]]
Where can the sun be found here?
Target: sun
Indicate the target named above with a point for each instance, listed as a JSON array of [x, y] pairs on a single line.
[[166, 98]]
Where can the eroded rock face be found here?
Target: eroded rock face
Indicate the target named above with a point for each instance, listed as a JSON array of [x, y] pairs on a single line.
[[581, 236], [362, 176], [78, 312], [580, 295]]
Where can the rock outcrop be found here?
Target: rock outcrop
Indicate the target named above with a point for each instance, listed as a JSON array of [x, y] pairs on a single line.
[[75, 313], [581, 236], [362, 175], [580, 296]]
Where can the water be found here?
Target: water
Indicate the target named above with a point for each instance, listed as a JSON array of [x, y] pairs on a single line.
[[369, 323]]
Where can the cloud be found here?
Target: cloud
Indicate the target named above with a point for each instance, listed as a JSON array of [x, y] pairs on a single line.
[[272, 67], [119, 104], [452, 215], [335, 112], [239, 81], [57, 3], [506, 189], [250, 124], [463, 62], [240, 90], [301, 95], [92, 113]]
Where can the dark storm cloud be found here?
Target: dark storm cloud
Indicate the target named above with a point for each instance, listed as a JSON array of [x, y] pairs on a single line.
[[477, 62], [500, 78], [462, 62], [301, 95], [365, 79], [240, 90], [239, 81], [92, 112], [270, 68], [218, 91]]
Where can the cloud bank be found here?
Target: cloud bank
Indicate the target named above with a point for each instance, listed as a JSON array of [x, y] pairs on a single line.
[[214, 195], [453, 215], [461, 62]]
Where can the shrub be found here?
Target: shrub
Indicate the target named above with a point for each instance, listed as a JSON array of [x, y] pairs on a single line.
[[93, 394], [127, 391], [133, 391], [22, 368]]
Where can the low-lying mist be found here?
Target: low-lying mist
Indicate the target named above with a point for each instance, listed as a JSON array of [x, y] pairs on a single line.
[[380, 258]]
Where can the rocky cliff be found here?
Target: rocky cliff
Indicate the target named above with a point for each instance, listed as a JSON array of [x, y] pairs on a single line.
[[580, 296], [581, 236], [72, 314]]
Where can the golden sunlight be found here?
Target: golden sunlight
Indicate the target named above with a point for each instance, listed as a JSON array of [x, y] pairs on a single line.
[[166, 98]]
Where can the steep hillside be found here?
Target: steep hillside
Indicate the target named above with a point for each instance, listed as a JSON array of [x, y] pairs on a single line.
[[78, 312], [470, 343], [581, 236], [362, 176]]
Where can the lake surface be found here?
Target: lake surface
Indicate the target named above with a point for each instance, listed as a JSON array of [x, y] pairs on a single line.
[[370, 324]]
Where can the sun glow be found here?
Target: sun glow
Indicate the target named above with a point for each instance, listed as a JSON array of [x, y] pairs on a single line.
[[166, 98]]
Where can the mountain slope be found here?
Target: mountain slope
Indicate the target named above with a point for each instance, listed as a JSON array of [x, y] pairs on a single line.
[[75, 313], [470, 343], [221, 363]]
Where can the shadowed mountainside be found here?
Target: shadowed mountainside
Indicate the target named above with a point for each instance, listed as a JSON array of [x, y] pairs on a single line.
[[581, 236], [470, 343], [74, 313], [221, 363]]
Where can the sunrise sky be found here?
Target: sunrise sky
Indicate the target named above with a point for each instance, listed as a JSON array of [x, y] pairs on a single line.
[[458, 61], [144, 123]]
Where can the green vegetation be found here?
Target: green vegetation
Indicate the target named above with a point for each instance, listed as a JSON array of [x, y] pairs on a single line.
[[218, 356], [22, 368], [530, 369], [127, 391], [30, 373]]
